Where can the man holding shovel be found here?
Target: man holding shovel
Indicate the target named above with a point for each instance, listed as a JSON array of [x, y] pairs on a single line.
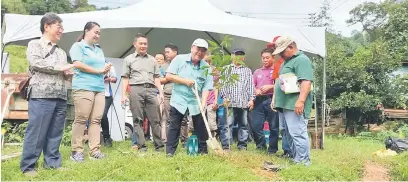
[[186, 72]]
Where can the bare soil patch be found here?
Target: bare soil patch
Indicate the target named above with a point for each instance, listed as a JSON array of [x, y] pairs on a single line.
[[375, 172]]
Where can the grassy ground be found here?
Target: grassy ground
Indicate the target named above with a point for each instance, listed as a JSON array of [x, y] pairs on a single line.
[[342, 159]]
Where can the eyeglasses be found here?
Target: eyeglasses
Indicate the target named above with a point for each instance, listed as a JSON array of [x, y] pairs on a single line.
[[201, 49], [59, 26]]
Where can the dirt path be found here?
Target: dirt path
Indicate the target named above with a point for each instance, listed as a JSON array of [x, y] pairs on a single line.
[[375, 172], [254, 163]]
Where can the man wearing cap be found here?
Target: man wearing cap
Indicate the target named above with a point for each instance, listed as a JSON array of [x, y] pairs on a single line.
[[184, 71], [141, 72], [275, 74], [293, 97], [240, 98]]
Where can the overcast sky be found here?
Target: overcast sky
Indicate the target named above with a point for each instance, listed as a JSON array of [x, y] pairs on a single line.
[[284, 11]]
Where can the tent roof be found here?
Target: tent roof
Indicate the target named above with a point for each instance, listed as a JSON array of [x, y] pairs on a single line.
[[195, 15]]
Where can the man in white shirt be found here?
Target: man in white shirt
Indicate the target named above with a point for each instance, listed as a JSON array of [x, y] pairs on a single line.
[[109, 78]]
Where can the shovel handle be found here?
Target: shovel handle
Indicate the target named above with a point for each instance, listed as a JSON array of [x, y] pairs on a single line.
[[195, 90]]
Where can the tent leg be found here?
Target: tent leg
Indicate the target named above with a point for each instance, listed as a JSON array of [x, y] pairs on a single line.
[[116, 91], [324, 101], [127, 50], [3, 46], [117, 118], [215, 40], [116, 112]]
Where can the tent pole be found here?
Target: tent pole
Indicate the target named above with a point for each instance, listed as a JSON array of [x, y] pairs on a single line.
[[324, 101], [3, 46], [114, 109], [316, 119], [225, 49], [127, 50]]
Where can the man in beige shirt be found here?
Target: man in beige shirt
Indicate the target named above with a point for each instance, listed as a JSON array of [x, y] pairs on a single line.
[[171, 51], [142, 73]]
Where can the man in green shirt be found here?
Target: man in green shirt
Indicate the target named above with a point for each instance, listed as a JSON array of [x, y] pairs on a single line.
[[293, 97]]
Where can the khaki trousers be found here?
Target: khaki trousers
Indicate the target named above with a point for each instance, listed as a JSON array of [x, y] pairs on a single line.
[[89, 106], [212, 118]]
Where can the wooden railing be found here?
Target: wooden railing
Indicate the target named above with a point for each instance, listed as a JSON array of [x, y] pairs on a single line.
[[396, 113]]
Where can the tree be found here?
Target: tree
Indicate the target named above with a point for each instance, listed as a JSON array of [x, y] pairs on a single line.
[[104, 8], [83, 6], [396, 31], [220, 59], [85, 9], [59, 6], [360, 81], [359, 37], [36, 7], [371, 16], [322, 18], [13, 6]]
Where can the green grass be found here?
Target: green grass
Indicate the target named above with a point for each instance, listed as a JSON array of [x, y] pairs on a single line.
[[342, 159], [17, 58], [398, 165], [10, 150]]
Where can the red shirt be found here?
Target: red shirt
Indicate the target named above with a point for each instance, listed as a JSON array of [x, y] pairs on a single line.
[[276, 68]]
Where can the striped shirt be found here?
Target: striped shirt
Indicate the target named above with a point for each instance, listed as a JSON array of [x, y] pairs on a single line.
[[242, 91]]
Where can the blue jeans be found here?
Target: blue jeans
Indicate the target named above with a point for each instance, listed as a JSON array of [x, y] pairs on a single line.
[[297, 136], [134, 138], [262, 112], [43, 133], [285, 144], [240, 116], [225, 134]]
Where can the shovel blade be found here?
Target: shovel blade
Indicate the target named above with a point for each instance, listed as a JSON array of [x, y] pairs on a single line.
[[213, 144]]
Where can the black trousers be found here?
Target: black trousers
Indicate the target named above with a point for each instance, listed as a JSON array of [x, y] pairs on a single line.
[[105, 121], [173, 133]]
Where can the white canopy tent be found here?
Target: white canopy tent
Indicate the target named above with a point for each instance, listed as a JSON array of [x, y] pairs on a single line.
[[176, 21], [168, 21]]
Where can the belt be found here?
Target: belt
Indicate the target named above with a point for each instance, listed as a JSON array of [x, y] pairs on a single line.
[[145, 85], [263, 97]]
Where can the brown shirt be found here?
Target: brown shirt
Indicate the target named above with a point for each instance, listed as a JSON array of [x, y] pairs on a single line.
[[47, 79], [140, 69]]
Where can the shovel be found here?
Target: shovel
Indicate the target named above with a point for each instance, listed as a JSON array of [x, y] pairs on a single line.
[[211, 142]]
